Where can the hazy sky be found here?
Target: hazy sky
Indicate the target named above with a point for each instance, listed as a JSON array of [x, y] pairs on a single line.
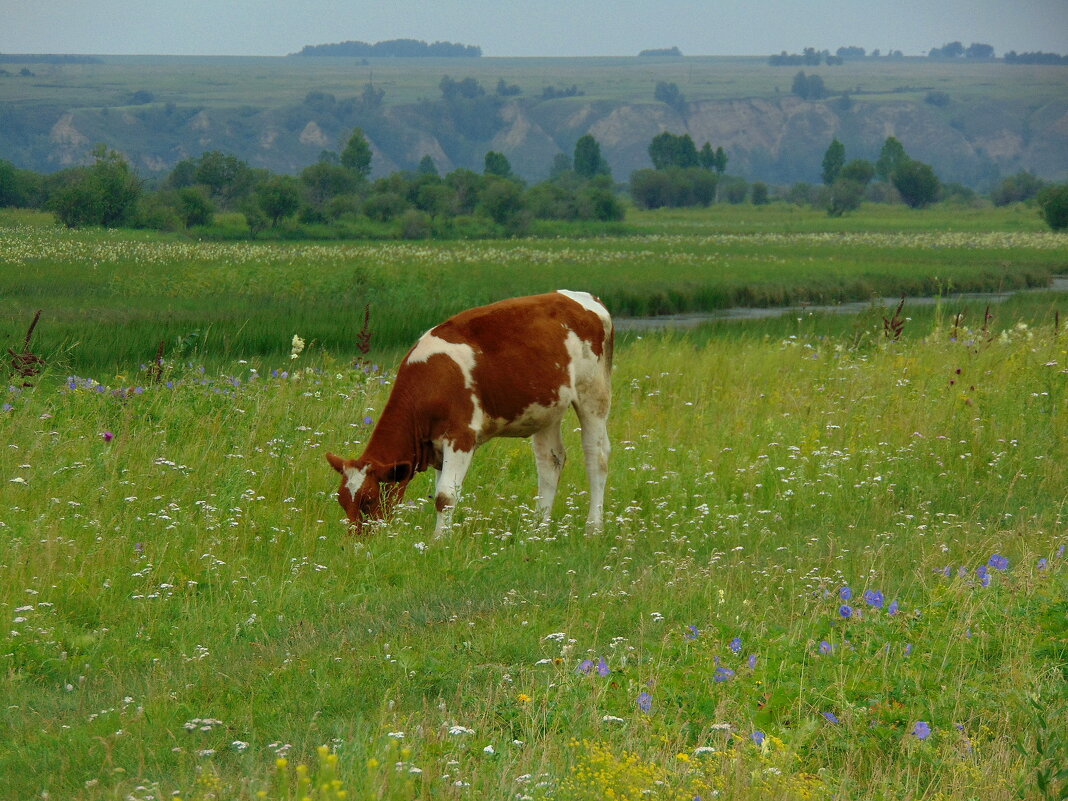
[[528, 27]]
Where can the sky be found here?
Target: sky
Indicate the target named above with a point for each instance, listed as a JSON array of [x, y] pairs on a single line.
[[529, 27]]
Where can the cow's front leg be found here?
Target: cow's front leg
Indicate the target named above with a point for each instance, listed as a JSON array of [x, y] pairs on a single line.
[[454, 465]]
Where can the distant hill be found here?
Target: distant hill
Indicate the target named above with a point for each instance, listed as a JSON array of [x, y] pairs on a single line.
[[974, 123], [394, 48]]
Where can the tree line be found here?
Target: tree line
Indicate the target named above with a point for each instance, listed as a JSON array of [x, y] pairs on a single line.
[[393, 48], [336, 197]]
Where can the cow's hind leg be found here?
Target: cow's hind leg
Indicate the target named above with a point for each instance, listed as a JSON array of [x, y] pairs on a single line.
[[550, 457], [454, 466], [593, 417]]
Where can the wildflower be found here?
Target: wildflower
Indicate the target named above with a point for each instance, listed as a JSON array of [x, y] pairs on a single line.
[[757, 737], [845, 593], [1043, 563], [999, 562], [488, 750], [523, 698], [921, 730], [984, 575], [723, 674], [752, 661], [460, 730], [874, 598], [736, 645], [908, 648], [602, 667], [297, 347], [845, 610], [645, 702], [108, 436], [368, 420], [825, 647], [692, 633], [892, 609], [833, 718], [585, 666]]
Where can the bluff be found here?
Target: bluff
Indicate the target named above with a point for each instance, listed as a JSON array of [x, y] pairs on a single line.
[[778, 139]]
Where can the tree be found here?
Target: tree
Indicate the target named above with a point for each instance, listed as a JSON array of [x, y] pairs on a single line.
[[1016, 188], [104, 194], [842, 196], [758, 195], [833, 161], [194, 207], [225, 175], [427, 166], [917, 183], [357, 154], [669, 94], [808, 87], [325, 181], [1053, 200], [668, 150], [278, 198], [890, 157], [497, 164], [588, 160], [502, 200], [859, 171]]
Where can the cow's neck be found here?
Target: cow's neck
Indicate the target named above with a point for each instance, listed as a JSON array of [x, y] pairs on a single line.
[[399, 437]]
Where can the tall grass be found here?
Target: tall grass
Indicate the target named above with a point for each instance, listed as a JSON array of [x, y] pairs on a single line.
[[186, 614]]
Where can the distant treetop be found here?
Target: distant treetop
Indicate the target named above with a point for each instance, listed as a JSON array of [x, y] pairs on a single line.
[[395, 48], [663, 51]]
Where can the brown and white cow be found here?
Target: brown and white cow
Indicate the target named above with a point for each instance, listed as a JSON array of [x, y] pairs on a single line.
[[510, 369]]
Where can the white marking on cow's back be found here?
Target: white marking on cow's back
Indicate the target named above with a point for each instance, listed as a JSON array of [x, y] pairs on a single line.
[[354, 478], [587, 301], [461, 353]]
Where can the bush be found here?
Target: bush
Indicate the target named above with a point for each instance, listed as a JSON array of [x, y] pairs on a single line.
[[735, 191], [674, 187], [917, 183], [384, 206], [103, 194], [415, 224], [1016, 188], [842, 196], [1053, 200], [758, 196]]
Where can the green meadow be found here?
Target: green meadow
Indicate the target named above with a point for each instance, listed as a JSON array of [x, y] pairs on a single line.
[[833, 564]]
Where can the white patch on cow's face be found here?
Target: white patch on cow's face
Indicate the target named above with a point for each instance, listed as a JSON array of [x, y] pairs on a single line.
[[354, 478], [430, 345], [586, 301]]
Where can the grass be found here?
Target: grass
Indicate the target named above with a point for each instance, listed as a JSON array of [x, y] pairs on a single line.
[[186, 617], [185, 608], [109, 298]]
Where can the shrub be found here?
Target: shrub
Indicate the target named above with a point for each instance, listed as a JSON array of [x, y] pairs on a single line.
[[415, 224], [917, 183], [1053, 200], [758, 196]]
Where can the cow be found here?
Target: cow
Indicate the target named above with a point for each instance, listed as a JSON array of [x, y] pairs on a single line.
[[509, 369]]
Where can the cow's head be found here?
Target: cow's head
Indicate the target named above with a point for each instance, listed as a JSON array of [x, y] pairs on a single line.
[[369, 490]]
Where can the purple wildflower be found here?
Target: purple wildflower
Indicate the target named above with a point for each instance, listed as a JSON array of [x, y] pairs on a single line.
[[108, 436], [752, 661], [845, 610], [602, 667], [962, 571], [999, 562], [845, 593], [833, 718], [692, 633], [874, 598], [825, 647], [723, 674], [947, 571], [757, 737], [7, 407], [908, 648], [1043, 563], [892, 609], [921, 730], [585, 666], [645, 702], [1060, 552], [367, 421], [736, 645]]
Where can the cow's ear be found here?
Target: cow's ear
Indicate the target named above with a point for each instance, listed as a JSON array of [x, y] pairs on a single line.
[[336, 462], [399, 472]]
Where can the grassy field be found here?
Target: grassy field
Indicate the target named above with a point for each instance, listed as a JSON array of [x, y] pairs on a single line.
[[270, 82], [833, 564], [110, 298]]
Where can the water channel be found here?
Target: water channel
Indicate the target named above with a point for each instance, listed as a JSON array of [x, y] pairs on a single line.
[[1059, 283]]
